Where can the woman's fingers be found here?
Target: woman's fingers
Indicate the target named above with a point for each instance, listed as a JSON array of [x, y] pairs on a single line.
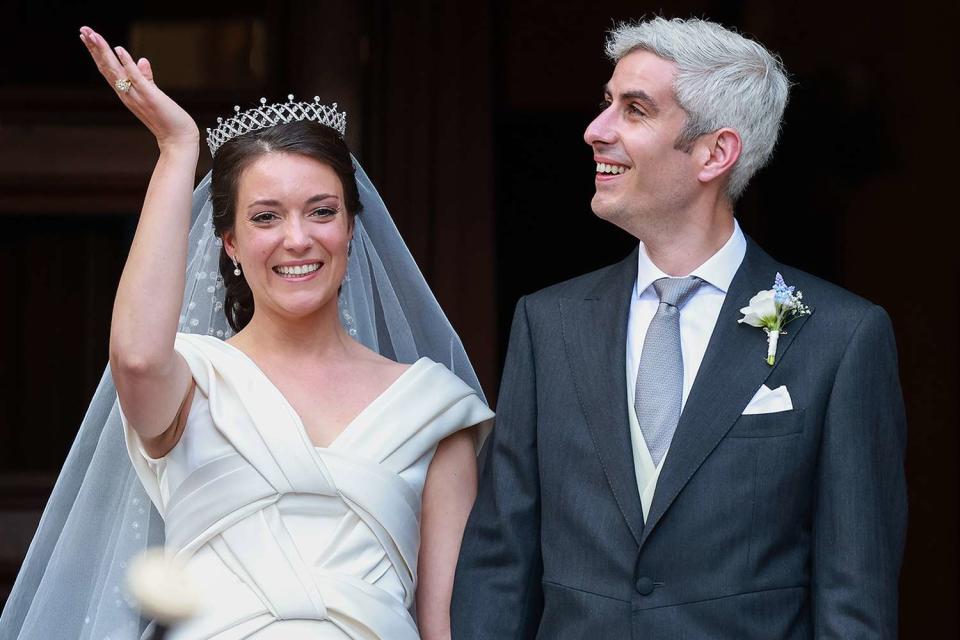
[[108, 64], [131, 71], [133, 82], [144, 65]]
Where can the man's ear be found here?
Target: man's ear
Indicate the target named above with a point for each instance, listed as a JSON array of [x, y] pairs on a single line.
[[718, 152]]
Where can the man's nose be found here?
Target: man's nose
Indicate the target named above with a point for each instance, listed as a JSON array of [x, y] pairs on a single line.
[[601, 130]]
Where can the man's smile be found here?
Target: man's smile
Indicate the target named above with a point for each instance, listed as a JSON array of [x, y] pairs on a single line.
[[615, 169], [608, 170]]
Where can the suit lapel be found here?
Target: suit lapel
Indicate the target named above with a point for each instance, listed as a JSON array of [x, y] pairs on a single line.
[[595, 337], [732, 370]]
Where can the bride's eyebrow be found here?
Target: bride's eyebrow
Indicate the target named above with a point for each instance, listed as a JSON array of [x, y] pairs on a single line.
[[268, 202], [263, 203], [321, 197]]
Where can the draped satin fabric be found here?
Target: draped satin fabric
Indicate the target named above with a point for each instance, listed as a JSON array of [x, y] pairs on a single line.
[[290, 540]]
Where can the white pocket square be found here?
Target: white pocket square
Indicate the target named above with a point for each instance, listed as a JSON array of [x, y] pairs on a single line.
[[767, 400]]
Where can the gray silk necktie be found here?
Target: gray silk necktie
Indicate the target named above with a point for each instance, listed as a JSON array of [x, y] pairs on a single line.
[[659, 389]]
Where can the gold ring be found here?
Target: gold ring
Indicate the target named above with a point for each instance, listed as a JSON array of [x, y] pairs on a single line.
[[123, 85]]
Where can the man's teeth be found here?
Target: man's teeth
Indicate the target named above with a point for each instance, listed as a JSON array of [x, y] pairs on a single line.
[[298, 270], [603, 167]]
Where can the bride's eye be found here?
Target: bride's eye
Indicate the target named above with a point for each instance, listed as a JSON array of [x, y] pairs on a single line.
[[324, 212], [264, 217]]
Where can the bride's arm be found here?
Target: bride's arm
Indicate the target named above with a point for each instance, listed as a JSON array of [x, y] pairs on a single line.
[[151, 378], [448, 495]]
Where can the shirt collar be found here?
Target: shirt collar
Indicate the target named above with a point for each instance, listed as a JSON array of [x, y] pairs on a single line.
[[717, 271]]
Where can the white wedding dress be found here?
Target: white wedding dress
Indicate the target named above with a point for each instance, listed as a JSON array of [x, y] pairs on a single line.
[[285, 539]]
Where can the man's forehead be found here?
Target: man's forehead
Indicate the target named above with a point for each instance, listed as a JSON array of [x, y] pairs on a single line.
[[642, 71]]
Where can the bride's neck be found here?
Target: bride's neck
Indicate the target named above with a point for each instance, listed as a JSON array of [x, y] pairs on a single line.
[[317, 335]]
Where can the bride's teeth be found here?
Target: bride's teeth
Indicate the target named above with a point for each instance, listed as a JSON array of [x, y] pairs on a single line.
[[297, 270]]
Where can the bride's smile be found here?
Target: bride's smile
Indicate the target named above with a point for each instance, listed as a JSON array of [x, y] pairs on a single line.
[[302, 270]]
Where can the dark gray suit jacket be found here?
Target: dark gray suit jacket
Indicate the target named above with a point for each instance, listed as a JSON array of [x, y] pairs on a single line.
[[783, 525]]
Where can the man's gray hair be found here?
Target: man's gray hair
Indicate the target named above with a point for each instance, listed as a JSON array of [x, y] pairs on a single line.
[[723, 80]]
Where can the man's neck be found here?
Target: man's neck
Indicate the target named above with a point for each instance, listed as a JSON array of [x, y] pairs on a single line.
[[677, 251]]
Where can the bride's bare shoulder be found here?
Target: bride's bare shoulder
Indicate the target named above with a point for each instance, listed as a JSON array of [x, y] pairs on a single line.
[[380, 367]]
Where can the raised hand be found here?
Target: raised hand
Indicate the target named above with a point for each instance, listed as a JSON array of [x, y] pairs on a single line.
[[133, 83], [151, 378]]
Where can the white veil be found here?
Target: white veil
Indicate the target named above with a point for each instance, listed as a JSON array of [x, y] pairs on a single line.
[[99, 516]]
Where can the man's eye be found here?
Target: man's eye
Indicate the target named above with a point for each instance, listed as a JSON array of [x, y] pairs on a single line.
[[264, 217], [324, 212], [603, 104], [636, 111]]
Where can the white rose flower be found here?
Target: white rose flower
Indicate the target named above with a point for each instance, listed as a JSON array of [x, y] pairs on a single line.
[[762, 311]]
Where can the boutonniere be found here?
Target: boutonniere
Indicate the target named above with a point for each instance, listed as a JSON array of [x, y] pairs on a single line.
[[772, 309]]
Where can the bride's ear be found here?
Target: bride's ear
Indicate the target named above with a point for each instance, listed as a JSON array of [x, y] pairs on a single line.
[[229, 244]]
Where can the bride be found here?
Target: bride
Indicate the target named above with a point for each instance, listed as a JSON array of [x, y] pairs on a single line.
[[314, 487]]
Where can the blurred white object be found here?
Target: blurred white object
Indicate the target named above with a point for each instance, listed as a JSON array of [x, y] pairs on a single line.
[[162, 587]]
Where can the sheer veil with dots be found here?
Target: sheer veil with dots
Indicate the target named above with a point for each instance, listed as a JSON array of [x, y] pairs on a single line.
[[99, 516]]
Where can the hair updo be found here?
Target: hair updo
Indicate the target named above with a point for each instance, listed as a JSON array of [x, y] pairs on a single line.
[[309, 139]]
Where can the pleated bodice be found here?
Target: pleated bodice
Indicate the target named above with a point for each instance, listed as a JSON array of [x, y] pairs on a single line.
[[290, 540]]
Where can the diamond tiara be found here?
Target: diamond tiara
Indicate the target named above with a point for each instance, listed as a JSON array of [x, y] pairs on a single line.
[[266, 116]]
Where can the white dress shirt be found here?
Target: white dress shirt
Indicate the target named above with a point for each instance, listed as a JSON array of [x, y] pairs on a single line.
[[697, 320]]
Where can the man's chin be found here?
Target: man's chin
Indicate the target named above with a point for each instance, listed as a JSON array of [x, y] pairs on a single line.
[[603, 208]]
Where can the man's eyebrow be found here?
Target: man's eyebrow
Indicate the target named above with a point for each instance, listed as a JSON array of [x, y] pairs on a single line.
[[636, 94], [642, 96]]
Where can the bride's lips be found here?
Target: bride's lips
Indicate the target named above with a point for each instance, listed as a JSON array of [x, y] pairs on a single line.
[[298, 270]]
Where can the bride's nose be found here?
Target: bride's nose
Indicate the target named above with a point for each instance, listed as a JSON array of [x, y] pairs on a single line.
[[295, 236]]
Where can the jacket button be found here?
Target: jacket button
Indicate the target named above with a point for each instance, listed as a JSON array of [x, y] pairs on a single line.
[[644, 586]]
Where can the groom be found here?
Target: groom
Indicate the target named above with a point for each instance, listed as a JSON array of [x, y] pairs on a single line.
[[652, 474]]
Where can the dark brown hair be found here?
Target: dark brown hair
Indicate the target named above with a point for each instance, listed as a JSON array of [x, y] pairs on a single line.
[[304, 138]]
